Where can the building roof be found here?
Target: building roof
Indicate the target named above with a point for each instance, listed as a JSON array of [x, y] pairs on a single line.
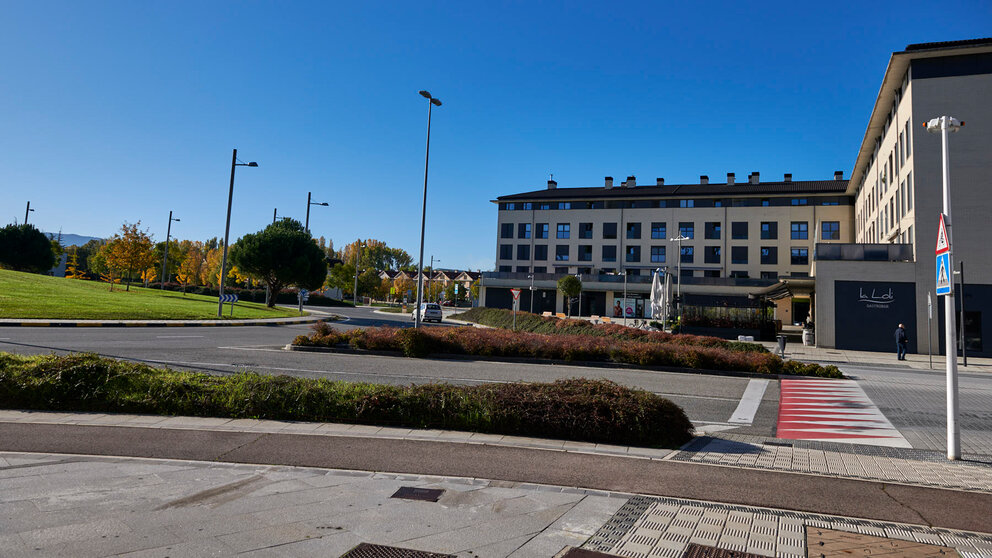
[[684, 190], [949, 44]]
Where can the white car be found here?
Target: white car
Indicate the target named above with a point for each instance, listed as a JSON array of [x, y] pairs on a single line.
[[429, 312]]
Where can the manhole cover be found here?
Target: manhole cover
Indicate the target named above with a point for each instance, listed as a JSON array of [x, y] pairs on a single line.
[[366, 550], [412, 493], [823, 543], [700, 551]]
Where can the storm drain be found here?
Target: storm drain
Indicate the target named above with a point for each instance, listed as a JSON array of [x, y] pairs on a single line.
[[413, 493], [366, 550], [699, 551]]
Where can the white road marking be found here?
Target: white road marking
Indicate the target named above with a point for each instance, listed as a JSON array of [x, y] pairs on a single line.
[[177, 336], [750, 402]]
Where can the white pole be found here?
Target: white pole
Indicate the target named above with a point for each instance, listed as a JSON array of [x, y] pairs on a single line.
[[950, 333]]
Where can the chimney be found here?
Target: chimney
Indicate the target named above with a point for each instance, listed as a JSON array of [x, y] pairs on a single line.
[[609, 182], [787, 177], [552, 184], [838, 175], [659, 181], [703, 179], [755, 177], [730, 179], [631, 181]]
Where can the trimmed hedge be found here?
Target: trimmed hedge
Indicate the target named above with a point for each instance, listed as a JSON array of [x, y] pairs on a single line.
[[498, 317], [575, 409], [503, 343]]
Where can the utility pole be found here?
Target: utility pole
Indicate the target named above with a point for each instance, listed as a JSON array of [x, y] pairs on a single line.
[[531, 276], [26, 211], [275, 210]]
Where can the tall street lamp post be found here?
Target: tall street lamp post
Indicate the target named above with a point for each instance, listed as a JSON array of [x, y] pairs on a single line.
[[623, 308], [579, 277], [358, 259], [942, 126], [309, 203], [531, 277], [26, 211], [678, 294], [227, 229], [431, 103], [165, 257]]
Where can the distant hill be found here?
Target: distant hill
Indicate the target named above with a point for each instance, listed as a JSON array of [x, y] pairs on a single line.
[[72, 239]]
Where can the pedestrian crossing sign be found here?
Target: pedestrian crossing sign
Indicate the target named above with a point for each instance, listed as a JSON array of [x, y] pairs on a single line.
[[944, 285], [942, 244]]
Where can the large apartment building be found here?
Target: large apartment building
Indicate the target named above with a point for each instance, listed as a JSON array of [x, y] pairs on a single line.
[[813, 248]]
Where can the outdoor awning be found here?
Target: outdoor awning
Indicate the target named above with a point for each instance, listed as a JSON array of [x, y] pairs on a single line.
[[789, 286]]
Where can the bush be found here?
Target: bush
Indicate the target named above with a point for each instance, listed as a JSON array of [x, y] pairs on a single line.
[[576, 409]]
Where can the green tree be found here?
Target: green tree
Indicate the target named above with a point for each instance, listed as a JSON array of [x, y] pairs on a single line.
[[342, 276], [25, 248], [569, 286], [281, 254]]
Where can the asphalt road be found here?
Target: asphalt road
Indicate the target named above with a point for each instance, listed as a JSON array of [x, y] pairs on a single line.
[[707, 399]]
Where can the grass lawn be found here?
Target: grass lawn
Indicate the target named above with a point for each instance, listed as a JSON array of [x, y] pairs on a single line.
[[28, 295]]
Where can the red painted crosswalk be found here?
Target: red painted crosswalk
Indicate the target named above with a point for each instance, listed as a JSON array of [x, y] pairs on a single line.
[[833, 411]]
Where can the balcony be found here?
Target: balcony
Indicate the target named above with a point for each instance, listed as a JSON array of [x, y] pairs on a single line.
[[864, 252], [614, 279]]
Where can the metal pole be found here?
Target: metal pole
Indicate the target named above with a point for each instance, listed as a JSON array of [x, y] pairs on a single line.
[[165, 257], [227, 233], [623, 309], [679, 278], [580, 294], [929, 336], [358, 258], [531, 293], [275, 211], [430, 281], [964, 351], [423, 222], [950, 336], [26, 211], [307, 225]]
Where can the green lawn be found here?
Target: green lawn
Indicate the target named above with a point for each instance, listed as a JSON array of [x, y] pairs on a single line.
[[28, 295]]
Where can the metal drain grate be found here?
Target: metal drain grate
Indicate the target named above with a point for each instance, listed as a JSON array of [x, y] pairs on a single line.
[[412, 493], [366, 550], [700, 551]]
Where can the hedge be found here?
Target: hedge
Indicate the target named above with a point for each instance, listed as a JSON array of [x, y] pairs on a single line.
[[503, 343], [575, 409]]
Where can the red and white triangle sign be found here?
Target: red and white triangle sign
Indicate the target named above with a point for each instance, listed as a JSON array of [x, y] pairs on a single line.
[[515, 293], [942, 244]]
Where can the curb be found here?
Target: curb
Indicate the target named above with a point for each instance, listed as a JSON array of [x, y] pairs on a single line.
[[168, 323]]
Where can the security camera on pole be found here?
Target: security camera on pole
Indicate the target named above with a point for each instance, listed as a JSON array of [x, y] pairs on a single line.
[[945, 287]]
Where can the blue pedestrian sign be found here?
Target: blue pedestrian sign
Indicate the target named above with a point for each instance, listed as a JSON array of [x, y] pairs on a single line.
[[944, 284]]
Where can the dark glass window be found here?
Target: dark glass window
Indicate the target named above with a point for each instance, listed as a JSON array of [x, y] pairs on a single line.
[[800, 256], [738, 255], [563, 230], [687, 255], [527, 206], [544, 205], [765, 202], [609, 231], [769, 255], [769, 275], [711, 273], [633, 230], [712, 230], [585, 253], [686, 273], [830, 230], [540, 269], [687, 203], [687, 229], [739, 274], [738, 230], [585, 230], [505, 268], [523, 269], [711, 254], [658, 230], [800, 201], [506, 230], [633, 254], [658, 254], [542, 230], [609, 253], [717, 203], [800, 230], [561, 253], [769, 230], [523, 251], [541, 252], [523, 230], [506, 251]]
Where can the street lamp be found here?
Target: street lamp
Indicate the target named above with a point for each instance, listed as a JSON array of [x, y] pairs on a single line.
[[309, 203], [941, 126], [531, 277], [358, 259], [26, 211], [579, 277], [623, 308], [678, 295], [165, 257], [431, 103], [227, 229]]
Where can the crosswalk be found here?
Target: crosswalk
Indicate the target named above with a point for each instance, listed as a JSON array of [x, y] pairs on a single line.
[[833, 411]]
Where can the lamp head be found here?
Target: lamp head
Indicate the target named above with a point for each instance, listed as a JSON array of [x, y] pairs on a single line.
[[425, 94], [436, 102], [325, 204], [253, 164], [176, 220]]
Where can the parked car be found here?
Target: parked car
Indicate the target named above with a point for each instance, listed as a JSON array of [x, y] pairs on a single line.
[[447, 303], [429, 312]]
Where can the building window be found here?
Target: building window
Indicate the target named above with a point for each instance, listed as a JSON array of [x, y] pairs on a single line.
[[686, 273], [565, 205], [800, 230], [633, 254], [769, 275], [541, 252], [687, 255], [769, 230], [769, 255], [523, 269], [800, 256], [609, 253], [658, 230], [563, 230], [540, 269], [585, 230], [505, 268], [712, 230], [585, 253], [738, 230], [506, 251], [738, 255], [609, 231], [633, 231], [657, 254], [542, 230], [765, 202], [523, 230], [711, 255], [909, 190], [543, 205], [523, 251], [561, 253], [687, 203], [687, 230], [800, 201], [738, 275], [711, 273], [830, 230], [506, 230], [717, 203]]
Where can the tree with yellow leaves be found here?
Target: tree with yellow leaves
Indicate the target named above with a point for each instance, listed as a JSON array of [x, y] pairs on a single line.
[[192, 264], [72, 267], [130, 251]]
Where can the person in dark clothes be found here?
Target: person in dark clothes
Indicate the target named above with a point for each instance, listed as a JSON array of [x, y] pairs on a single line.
[[902, 341]]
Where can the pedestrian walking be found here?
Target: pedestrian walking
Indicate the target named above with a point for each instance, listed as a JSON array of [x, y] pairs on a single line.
[[902, 340]]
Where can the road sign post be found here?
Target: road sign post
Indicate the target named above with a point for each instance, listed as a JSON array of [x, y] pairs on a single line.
[[232, 298], [516, 306], [929, 318]]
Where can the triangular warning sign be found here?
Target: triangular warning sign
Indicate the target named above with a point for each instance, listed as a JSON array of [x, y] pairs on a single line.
[[942, 244], [942, 281]]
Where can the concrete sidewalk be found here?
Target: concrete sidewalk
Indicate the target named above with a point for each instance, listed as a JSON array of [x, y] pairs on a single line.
[[838, 356]]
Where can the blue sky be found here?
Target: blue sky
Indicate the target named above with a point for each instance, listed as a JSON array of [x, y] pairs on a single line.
[[122, 111]]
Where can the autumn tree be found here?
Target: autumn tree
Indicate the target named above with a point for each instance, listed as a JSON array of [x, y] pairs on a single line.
[[72, 270], [130, 251], [281, 254], [192, 263]]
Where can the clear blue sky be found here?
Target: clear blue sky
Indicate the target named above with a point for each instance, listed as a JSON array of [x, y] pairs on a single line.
[[122, 111]]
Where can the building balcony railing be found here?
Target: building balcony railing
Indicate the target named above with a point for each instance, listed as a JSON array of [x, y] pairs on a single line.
[[524, 279], [864, 252]]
